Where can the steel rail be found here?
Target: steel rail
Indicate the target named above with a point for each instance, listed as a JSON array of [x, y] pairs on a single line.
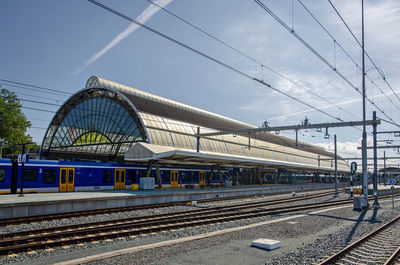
[[71, 236], [332, 259], [15, 245], [393, 258], [160, 216], [54, 216]]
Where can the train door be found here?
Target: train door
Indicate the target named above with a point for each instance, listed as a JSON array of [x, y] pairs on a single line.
[[71, 179], [122, 179], [202, 178], [63, 179], [117, 179], [174, 179]]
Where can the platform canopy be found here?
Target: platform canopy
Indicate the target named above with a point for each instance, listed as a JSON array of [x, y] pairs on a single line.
[[111, 121], [170, 155]]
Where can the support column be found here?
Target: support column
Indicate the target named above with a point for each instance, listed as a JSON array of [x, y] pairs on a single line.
[[158, 175], [149, 167], [375, 177], [198, 140], [336, 176], [220, 176], [384, 167], [365, 203], [21, 194], [210, 177]]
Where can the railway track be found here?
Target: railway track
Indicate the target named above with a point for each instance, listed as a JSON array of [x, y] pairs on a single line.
[[381, 246], [12, 243], [49, 217]]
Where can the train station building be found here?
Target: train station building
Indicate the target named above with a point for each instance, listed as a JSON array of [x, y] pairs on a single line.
[[108, 121]]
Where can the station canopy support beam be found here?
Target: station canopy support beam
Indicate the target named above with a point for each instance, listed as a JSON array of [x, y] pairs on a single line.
[[305, 126], [292, 127], [382, 147], [370, 158]]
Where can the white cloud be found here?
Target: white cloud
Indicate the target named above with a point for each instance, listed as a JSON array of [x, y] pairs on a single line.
[[142, 18]]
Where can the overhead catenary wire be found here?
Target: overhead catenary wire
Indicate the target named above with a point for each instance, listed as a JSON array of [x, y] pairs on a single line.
[[395, 124], [43, 110], [32, 89], [34, 86], [36, 96], [208, 57], [336, 43], [280, 21], [370, 59], [251, 58], [40, 102]]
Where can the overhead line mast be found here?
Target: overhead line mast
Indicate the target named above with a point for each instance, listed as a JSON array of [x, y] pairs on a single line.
[[364, 133]]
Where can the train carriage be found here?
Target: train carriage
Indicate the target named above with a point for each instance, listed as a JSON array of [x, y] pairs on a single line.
[[68, 176]]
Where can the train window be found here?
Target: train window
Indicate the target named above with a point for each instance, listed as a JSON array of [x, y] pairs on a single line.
[[122, 176], [70, 176], [117, 176], [2, 174], [186, 177], [131, 176], [49, 176], [30, 174], [142, 173], [165, 176], [63, 176], [107, 176]]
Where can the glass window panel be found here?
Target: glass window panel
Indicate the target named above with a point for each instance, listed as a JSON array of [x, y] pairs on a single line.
[[107, 176], [49, 176], [2, 174], [30, 174]]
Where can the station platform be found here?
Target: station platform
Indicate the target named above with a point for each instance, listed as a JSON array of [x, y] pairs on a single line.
[[381, 188], [11, 205]]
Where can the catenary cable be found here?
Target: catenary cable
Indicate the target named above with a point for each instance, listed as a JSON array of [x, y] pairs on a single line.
[[373, 63], [208, 57], [39, 87], [250, 58], [280, 21], [344, 51]]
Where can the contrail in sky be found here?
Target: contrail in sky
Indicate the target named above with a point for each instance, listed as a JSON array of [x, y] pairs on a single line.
[[142, 18]]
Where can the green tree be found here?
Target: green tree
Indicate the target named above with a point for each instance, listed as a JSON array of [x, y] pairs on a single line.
[[13, 123]]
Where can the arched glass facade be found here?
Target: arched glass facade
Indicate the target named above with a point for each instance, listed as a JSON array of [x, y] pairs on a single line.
[[104, 120], [94, 121]]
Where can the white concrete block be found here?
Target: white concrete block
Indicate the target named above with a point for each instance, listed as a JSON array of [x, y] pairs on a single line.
[[265, 243]]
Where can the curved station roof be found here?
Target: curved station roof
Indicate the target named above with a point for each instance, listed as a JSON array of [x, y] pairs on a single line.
[[110, 121]]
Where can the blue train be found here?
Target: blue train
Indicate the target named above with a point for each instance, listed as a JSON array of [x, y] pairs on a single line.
[[68, 176]]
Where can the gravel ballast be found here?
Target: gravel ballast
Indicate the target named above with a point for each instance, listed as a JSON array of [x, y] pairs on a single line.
[[205, 251]]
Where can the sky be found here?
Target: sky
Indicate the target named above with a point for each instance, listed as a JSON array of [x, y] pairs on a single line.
[[59, 44]]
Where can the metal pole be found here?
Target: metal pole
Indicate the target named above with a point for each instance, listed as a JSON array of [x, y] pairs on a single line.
[[198, 139], [336, 178], [376, 203], [392, 188], [21, 193], [364, 132], [351, 185], [384, 167], [297, 138]]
